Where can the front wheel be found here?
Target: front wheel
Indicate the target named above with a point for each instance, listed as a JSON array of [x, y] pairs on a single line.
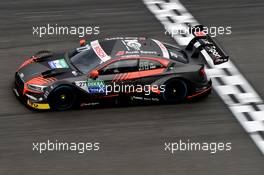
[[62, 98], [175, 91]]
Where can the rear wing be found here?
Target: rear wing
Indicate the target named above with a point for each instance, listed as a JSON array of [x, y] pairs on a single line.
[[205, 45]]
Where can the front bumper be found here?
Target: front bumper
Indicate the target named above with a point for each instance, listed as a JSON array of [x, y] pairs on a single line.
[[40, 106], [29, 102]]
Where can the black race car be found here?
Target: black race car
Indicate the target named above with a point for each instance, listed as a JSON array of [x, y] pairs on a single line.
[[117, 68]]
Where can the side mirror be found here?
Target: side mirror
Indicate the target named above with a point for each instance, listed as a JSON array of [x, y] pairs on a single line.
[[94, 74], [82, 42]]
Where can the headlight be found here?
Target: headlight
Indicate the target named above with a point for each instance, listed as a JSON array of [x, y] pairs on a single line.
[[37, 88]]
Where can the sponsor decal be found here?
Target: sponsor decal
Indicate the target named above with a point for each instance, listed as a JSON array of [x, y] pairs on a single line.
[[38, 105], [83, 48], [125, 38], [99, 51], [114, 38], [173, 54], [136, 52], [132, 44], [214, 52], [162, 48], [96, 86], [119, 53], [60, 63], [92, 86]]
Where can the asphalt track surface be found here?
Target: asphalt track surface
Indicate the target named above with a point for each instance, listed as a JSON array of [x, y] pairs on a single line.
[[132, 138]]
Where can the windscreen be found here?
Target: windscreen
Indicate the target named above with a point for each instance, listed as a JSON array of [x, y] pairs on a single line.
[[85, 60]]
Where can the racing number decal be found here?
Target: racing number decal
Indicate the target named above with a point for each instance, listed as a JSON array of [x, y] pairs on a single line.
[[81, 84], [92, 86], [133, 44]]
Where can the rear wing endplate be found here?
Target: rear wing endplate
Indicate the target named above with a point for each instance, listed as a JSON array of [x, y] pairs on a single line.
[[209, 48]]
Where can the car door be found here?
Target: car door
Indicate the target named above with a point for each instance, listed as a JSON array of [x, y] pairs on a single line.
[[150, 70], [120, 74]]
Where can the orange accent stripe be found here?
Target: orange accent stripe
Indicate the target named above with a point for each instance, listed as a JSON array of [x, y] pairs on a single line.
[[199, 93], [28, 61], [50, 79], [123, 76], [126, 76], [40, 80], [151, 72], [114, 79], [119, 76], [139, 74], [44, 80], [53, 78], [114, 95]]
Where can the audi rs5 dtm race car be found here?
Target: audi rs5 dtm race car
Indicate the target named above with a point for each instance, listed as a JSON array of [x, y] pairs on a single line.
[[116, 68]]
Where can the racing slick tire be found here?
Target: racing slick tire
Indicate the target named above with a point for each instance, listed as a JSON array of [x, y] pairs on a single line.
[[176, 90], [63, 98]]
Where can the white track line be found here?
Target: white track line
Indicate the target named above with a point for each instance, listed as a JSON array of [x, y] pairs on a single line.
[[240, 97]]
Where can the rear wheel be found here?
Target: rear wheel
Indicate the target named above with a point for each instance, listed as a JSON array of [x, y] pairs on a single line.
[[62, 98], [175, 91]]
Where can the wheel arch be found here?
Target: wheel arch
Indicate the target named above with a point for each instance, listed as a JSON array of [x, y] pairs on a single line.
[[167, 79], [66, 85]]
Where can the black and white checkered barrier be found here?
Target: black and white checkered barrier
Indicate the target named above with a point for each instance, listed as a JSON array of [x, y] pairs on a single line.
[[242, 100]]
